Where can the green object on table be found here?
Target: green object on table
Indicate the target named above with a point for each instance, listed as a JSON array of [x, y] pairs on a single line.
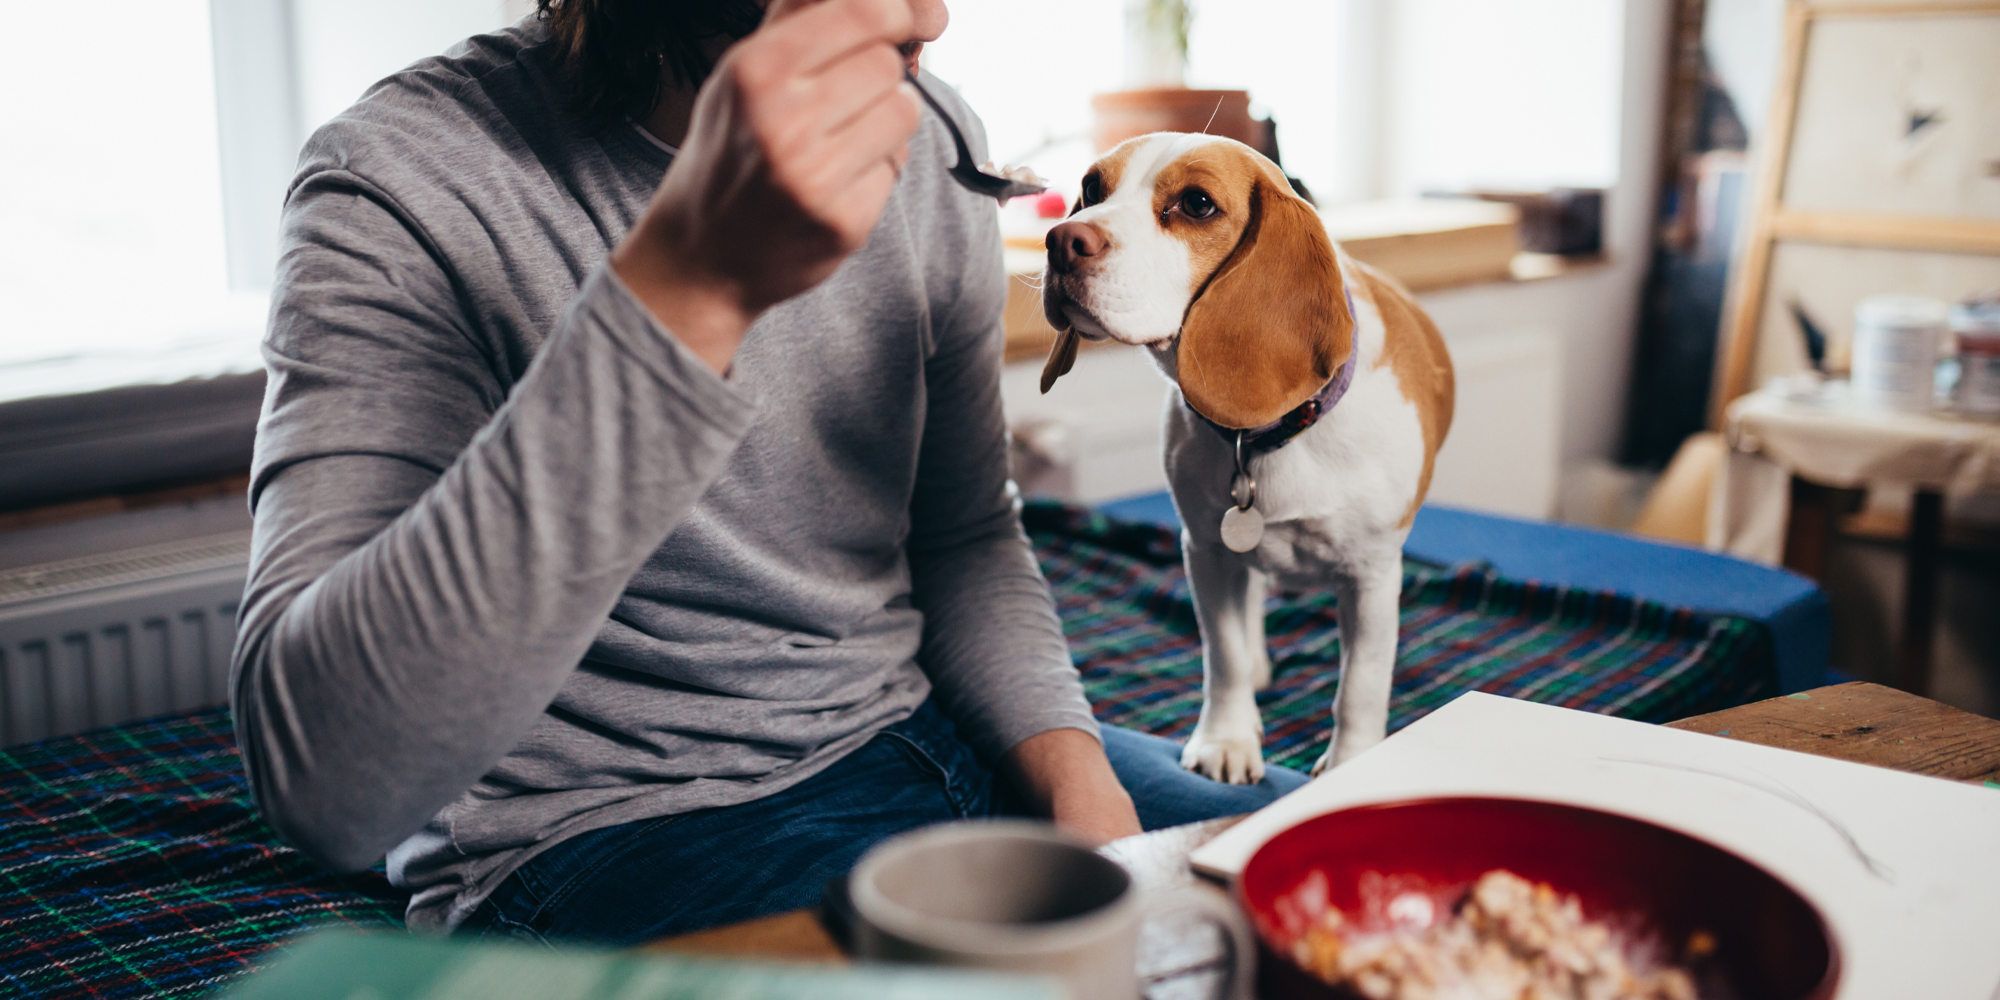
[[396, 966]]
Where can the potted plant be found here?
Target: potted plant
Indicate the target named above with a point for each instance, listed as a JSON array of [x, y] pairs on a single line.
[[1158, 99], [1156, 42]]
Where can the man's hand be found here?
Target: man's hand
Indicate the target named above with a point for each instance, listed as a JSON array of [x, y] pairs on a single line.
[[794, 147], [1064, 772]]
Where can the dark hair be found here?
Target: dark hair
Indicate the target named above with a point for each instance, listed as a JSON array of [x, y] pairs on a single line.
[[612, 52]]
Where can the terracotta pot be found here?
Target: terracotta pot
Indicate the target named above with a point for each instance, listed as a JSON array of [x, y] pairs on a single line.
[[1122, 114]]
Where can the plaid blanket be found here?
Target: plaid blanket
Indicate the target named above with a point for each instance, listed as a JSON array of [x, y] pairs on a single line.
[[1125, 607], [133, 863]]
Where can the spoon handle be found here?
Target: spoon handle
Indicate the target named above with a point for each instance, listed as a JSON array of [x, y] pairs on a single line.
[[950, 125]]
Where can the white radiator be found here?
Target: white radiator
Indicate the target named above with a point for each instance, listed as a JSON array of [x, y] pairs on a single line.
[[115, 637], [1504, 451]]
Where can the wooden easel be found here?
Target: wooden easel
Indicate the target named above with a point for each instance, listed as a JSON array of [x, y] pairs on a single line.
[[1814, 509], [1772, 222]]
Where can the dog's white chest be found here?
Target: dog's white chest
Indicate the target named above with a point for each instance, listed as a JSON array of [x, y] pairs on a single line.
[[1300, 553], [1329, 498]]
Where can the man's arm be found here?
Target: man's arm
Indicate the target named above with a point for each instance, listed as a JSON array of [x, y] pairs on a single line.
[[408, 619], [993, 646], [1065, 773]]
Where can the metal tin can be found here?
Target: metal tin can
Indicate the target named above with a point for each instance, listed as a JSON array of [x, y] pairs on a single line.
[[1896, 351], [1977, 327]]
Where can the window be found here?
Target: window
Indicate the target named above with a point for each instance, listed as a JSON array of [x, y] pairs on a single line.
[[1373, 98], [112, 196], [141, 205], [1520, 95], [146, 144], [1029, 67]]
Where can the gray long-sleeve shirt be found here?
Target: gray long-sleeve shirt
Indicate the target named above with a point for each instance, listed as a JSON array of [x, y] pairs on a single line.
[[525, 567]]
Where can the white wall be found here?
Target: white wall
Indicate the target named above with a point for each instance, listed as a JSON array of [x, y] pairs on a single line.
[[1503, 451]]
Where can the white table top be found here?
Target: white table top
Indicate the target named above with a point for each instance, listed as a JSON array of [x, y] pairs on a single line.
[[1828, 440]]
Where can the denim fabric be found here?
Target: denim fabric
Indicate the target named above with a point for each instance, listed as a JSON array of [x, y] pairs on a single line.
[[1168, 795], [630, 883]]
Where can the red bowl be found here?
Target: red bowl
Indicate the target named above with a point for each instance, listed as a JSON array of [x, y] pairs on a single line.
[[1771, 943]]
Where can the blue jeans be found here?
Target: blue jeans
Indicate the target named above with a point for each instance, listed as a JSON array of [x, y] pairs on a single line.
[[674, 874]]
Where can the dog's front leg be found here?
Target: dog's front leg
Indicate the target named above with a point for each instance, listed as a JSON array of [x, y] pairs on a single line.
[[1253, 619], [1228, 742], [1369, 603]]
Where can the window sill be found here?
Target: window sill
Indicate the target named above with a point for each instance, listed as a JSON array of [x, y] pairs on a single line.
[[202, 356], [131, 417], [1029, 336]]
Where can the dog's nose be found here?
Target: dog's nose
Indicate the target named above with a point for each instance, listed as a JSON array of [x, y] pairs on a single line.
[[1072, 241]]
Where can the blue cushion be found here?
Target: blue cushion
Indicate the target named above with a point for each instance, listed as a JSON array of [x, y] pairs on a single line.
[[1791, 606]]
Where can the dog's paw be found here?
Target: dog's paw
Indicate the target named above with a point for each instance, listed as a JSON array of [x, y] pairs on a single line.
[[1343, 748], [1234, 759]]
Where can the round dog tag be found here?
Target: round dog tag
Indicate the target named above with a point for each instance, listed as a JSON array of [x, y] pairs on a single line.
[[1242, 528]]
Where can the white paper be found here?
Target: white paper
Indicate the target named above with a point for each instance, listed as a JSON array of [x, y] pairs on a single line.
[[1905, 868]]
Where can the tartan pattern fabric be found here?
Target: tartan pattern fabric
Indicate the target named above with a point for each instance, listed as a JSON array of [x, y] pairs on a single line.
[[1125, 607], [133, 862]]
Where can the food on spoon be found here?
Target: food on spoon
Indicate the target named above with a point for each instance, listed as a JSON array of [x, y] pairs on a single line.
[[1507, 939], [1019, 175]]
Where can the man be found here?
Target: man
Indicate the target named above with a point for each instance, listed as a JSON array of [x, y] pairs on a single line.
[[633, 553]]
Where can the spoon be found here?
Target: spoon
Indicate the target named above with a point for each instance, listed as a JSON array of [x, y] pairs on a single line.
[[970, 177]]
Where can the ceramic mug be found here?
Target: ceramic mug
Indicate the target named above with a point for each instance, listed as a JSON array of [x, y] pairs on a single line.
[[1018, 896]]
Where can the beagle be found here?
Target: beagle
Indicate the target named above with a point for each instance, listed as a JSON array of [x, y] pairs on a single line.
[[1313, 396]]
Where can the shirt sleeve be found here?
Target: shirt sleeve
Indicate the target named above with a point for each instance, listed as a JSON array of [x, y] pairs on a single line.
[[436, 546], [992, 646]]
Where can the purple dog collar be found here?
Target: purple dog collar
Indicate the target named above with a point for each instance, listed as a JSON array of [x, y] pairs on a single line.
[[1280, 432]]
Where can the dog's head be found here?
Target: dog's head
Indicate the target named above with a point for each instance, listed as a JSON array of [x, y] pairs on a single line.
[[1196, 245]]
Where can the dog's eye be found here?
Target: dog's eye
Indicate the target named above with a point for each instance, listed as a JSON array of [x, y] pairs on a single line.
[[1093, 190], [1196, 204]]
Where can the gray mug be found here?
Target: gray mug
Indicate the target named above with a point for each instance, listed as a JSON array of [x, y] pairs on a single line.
[[1018, 896]]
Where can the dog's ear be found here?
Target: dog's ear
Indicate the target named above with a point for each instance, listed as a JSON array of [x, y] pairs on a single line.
[[1062, 356], [1271, 324]]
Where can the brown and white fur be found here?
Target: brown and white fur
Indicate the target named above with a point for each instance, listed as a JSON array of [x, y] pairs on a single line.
[[1196, 248]]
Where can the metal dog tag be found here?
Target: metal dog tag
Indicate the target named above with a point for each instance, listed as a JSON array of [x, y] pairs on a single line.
[[1242, 528]]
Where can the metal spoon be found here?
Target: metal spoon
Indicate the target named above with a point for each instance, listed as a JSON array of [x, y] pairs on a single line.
[[971, 177]]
